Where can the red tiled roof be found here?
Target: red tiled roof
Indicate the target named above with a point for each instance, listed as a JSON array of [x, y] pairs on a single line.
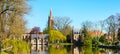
[[95, 33]]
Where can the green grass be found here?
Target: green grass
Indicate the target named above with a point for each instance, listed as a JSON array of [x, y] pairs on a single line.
[[60, 44]]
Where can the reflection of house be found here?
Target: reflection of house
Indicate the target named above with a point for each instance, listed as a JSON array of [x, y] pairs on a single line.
[[40, 49], [76, 50]]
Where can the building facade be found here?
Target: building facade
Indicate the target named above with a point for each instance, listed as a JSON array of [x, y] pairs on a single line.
[[35, 37]]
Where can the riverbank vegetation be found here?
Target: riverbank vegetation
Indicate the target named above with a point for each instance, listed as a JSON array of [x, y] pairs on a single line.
[[108, 31], [12, 26], [17, 46]]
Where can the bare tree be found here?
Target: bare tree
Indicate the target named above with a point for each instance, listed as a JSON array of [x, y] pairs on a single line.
[[112, 25], [118, 35], [101, 25], [63, 24], [88, 25]]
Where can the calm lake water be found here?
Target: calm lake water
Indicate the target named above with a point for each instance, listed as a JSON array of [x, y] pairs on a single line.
[[71, 50]]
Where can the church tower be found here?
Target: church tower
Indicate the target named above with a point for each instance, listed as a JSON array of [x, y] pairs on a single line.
[[50, 20]]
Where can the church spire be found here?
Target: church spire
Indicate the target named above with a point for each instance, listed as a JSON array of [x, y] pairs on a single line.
[[50, 20], [51, 14]]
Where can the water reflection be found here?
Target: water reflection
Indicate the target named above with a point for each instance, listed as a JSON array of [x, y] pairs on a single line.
[[76, 50], [57, 49], [109, 51], [87, 50], [39, 49]]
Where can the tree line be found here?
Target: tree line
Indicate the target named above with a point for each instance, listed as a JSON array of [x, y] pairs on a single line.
[[109, 26]]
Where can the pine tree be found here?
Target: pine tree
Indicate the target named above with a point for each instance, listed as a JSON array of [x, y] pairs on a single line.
[[87, 39], [118, 34]]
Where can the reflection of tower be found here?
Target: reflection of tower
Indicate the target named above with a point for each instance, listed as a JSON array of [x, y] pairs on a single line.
[[50, 20], [76, 50]]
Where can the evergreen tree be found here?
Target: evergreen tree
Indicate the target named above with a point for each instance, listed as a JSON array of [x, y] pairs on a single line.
[[87, 39], [118, 34]]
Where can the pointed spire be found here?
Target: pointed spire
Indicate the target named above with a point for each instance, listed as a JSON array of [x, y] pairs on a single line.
[[50, 11], [51, 14], [50, 20]]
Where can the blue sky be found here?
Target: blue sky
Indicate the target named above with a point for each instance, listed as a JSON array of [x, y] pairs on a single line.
[[78, 10]]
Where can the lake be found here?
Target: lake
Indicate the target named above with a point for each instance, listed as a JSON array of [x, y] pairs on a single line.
[[57, 49]]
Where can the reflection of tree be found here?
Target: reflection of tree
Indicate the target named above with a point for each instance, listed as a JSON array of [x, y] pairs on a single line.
[[69, 49], [87, 50], [95, 50], [116, 51], [53, 50]]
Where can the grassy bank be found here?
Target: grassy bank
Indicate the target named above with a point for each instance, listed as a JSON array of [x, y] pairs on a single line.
[[3, 53]]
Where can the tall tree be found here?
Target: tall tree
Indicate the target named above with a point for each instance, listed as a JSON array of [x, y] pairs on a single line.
[[118, 35], [87, 40], [112, 25], [12, 23]]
